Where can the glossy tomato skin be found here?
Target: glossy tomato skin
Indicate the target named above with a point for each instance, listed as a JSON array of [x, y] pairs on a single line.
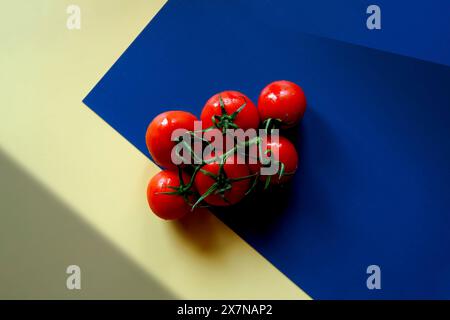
[[159, 133], [247, 118], [282, 100], [166, 206], [233, 170], [284, 152]]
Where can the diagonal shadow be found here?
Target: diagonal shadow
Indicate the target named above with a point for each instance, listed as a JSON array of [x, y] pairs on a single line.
[[40, 236]]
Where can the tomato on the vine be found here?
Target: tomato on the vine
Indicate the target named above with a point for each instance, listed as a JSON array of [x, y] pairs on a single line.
[[282, 101], [159, 134], [284, 154], [168, 197], [223, 184], [230, 110]]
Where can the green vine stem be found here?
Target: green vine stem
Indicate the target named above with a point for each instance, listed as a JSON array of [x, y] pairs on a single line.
[[222, 183]]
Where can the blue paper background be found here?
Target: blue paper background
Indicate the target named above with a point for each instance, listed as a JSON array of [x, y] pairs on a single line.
[[374, 180]]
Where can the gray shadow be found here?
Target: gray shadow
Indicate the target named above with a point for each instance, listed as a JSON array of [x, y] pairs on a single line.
[[40, 236]]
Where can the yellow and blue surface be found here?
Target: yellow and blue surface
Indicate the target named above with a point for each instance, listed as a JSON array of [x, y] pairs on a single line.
[[72, 189], [374, 176]]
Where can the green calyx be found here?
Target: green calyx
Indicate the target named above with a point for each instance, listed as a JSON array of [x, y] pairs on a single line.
[[222, 183], [226, 121], [184, 189]]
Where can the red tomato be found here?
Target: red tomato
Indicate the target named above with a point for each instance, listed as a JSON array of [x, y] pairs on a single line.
[[168, 206], [246, 118], [283, 100], [282, 151], [159, 133], [233, 191]]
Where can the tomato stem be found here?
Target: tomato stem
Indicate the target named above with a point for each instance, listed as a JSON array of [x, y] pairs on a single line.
[[225, 121], [222, 183], [254, 184], [272, 123]]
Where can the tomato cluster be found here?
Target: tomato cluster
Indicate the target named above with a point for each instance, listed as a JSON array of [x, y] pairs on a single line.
[[225, 176]]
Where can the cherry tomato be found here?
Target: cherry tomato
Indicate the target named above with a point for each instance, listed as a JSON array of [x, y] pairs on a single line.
[[169, 206], [283, 152], [159, 133], [283, 100], [228, 188], [234, 117]]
